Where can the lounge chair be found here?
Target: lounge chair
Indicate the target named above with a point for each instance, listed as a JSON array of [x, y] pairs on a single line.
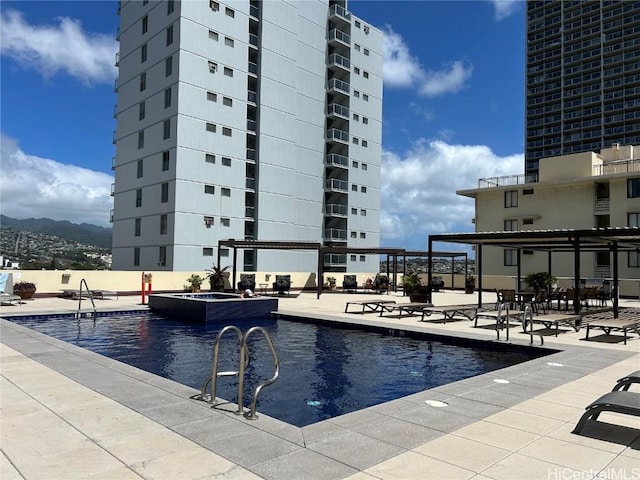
[[349, 283], [627, 403], [247, 281], [608, 325], [282, 284], [373, 306], [625, 382], [6, 289]]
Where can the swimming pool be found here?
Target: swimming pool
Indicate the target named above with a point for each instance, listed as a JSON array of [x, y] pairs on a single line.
[[325, 371]]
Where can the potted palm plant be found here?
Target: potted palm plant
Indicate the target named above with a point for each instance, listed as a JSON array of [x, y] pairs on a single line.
[[332, 282], [216, 278], [469, 284], [24, 290], [195, 281], [540, 281]]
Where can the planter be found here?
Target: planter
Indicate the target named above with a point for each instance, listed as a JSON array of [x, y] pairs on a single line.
[[418, 298], [25, 294]]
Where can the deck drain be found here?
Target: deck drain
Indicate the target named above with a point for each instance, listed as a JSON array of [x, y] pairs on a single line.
[[436, 403], [555, 364], [501, 380]]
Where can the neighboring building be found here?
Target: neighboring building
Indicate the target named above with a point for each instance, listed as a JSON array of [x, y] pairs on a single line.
[[579, 191], [583, 77], [246, 120]]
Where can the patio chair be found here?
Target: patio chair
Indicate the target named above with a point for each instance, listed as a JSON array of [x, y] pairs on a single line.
[[349, 283], [626, 403], [6, 289], [247, 281], [509, 297], [282, 284], [625, 382]]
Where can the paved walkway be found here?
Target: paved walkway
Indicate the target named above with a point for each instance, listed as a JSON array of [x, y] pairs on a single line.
[[68, 414]]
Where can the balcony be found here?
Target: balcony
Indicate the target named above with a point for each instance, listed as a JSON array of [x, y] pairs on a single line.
[[508, 180], [111, 216], [252, 97], [114, 137], [335, 260], [333, 134], [113, 189], [254, 11], [337, 185], [250, 212], [337, 60], [337, 12], [117, 59], [335, 160], [337, 110], [336, 35], [251, 125], [253, 40], [337, 85], [115, 111], [116, 84], [250, 183], [602, 206], [335, 234], [253, 68], [251, 154], [612, 168], [118, 34], [335, 210], [113, 163]]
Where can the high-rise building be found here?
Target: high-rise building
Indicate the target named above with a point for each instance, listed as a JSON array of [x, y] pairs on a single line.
[[583, 77], [246, 120]]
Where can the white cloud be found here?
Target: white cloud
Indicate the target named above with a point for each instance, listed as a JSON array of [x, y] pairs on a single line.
[[52, 49], [401, 69], [504, 8], [419, 189], [38, 187]]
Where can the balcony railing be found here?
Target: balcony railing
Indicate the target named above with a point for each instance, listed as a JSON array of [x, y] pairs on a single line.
[[251, 154], [336, 210], [253, 68], [337, 185], [337, 160], [113, 163], [117, 58], [335, 234], [116, 84], [113, 189], [339, 135], [620, 166], [251, 125], [336, 59], [339, 35], [253, 39], [115, 132], [334, 259], [252, 97], [339, 85], [507, 181], [254, 11], [250, 183], [338, 11], [111, 215], [337, 109], [250, 212]]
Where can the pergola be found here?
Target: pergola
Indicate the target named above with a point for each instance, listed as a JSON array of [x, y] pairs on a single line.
[[612, 240], [325, 250]]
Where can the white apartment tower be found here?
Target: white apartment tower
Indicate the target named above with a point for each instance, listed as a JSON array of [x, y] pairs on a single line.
[[246, 119]]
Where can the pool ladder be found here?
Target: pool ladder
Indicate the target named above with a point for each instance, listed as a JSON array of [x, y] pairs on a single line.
[[242, 366], [89, 295]]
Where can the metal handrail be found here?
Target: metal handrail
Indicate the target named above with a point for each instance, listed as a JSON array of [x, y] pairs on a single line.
[[89, 294], [251, 414]]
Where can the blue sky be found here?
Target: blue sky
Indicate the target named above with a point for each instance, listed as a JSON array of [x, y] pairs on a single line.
[[453, 109]]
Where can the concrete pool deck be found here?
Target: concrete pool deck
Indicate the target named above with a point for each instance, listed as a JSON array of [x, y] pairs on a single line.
[[68, 413]]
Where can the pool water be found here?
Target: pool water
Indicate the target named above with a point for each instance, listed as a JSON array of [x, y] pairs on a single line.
[[325, 371]]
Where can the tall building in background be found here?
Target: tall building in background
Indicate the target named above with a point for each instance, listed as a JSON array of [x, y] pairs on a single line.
[[583, 77], [246, 120]]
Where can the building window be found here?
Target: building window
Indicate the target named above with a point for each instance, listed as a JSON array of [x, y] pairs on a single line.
[[141, 111], [170, 6], [138, 198], [365, 74], [207, 251], [511, 225], [363, 258], [143, 81], [357, 24], [354, 211], [356, 117], [228, 41], [365, 97], [224, 252], [366, 52], [162, 256], [212, 97], [364, 166], [163, 224], [353, 258], [165, 160], [510, 257], [228, 71], [145, 24], [527, 191], [225, 222], [139, 168], [363, 235], [354, 164], [211, 127], [166, 129], [634, 260], [356, 70], [227, 101], [357, 47], [226, 161], [208, 221], [213, 67], [511, 199], [164, 192], [213, 35], [363, 189], [167, 98], [226, 131], [229, 12], [527, 221], [356, 93], [633, 219], [365, 143], [365, 120], [213, 5], [137, 227], [209, 158], [136, 256], [170, 35], [354, 234], [355, 140], [354, 187], [363, 212], [633, 188], [140, 139], [209, 189], [168, 66], [143, 53], [225, 192]]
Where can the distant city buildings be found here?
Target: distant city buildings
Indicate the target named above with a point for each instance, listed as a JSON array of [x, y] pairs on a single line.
[[583, 77], [246, 120]]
